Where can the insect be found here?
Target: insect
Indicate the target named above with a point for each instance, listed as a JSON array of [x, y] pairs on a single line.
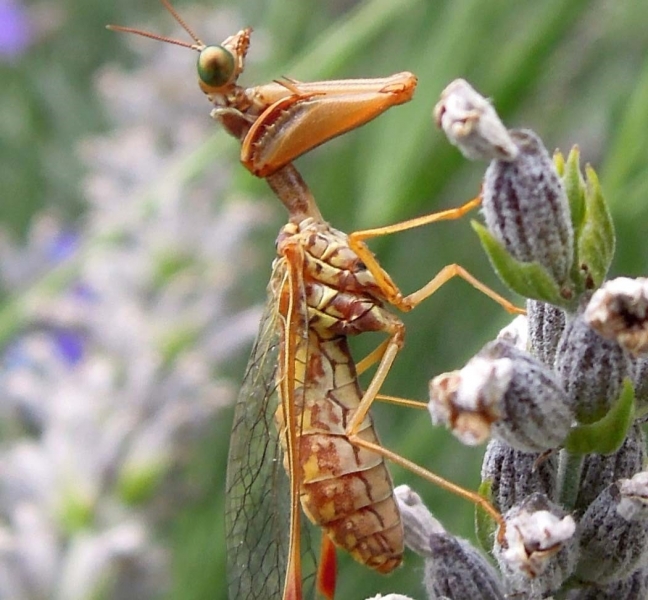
[[302, 432]]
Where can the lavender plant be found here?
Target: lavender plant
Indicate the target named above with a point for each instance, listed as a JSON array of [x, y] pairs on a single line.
[[111, 372], [560, 393]]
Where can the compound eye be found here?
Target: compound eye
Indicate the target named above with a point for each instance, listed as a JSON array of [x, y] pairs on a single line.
[[215, 66]]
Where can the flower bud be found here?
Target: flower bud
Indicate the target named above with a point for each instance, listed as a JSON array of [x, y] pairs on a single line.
[[546, 324], [618, 311], [504, 392], [614, 532], [469, 401], [525, 207], [600, 470], [418, 522], [540, 549], [453, 568], [456, 571], [471, 123], [514, 475], [591, 370]]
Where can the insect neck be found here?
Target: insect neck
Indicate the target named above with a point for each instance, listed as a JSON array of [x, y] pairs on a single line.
[[295, 195]]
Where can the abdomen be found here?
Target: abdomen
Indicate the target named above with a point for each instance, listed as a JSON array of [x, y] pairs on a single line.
[[344, 489]]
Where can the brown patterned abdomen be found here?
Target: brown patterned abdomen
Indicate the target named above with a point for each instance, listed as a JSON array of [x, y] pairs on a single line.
[[345, 489]]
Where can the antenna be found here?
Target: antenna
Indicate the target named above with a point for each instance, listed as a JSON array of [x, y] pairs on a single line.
[[199, 45]]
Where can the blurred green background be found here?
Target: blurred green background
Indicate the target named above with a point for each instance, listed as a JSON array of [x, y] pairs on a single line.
[[575, 71]]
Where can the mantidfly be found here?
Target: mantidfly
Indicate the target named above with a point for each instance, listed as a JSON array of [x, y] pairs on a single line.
[[301, 395]]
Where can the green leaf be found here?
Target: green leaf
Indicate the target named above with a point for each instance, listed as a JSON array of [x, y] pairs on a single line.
[[574, 188], [485, 525], [531, 280], [596, 239], [574, 184], [606, 435], [559, 163]]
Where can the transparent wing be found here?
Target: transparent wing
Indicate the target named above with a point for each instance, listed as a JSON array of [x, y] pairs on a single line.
[[257, 486], [257, 514]]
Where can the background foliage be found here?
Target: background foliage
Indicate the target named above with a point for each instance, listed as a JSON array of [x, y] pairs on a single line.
[[575, 71]]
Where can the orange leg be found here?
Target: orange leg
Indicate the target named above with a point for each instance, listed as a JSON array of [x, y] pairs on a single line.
[[390, 289], [293, 581]]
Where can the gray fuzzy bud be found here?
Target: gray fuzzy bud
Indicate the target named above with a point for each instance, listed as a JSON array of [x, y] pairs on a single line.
[[506, 393], [591, 370], [525, 207], [453, 568], [540, 549], [633, 587], [418, 522], [471, 123], [457, 571], [618, 311], [535, 411], [470, 400], [614, 532], [546, 324], [514, 475], [599, 471]]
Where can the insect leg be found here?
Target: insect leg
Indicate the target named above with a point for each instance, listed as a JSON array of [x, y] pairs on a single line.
[[390, 289], [402, 401], [473, 497], [291, 326], [396, 331]]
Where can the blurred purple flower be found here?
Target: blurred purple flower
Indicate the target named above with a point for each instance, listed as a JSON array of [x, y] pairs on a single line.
[[65, 244], [70, 344], [15, 29]]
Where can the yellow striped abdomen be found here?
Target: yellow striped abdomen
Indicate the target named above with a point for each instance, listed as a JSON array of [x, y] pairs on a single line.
[[344, 489]]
